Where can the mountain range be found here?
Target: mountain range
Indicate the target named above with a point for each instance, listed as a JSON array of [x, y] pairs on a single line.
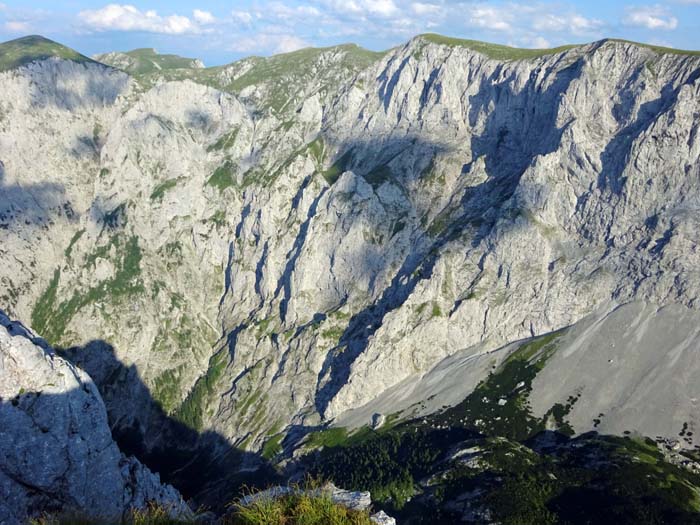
[[328, 247]]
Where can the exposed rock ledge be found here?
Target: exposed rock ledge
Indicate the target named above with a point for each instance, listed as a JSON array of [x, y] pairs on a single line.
[[56, 448]]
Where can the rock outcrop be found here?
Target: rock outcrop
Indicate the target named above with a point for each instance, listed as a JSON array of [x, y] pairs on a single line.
[[56, 450]]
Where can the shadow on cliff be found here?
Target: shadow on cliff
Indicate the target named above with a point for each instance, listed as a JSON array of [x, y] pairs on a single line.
[[203, 466], [91, 85], [32, 204], [648, 114], [516, 128]]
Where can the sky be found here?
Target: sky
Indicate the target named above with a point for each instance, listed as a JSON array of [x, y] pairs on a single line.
[[219, 32]]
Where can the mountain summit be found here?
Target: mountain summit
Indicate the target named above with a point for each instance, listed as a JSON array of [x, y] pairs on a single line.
[[22, 51]]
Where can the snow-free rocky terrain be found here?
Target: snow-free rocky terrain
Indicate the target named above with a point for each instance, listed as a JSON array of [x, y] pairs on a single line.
[[56, 449], [240, 256]]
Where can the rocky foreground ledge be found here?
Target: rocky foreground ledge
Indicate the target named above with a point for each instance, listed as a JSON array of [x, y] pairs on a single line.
[[56, 449], [353, 500]]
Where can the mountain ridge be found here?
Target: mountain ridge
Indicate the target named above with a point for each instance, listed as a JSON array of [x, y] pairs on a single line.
[[493, 50], [146, 60]]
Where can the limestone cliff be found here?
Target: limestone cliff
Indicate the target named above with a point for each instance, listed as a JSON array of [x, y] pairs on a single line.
[[275, 242]]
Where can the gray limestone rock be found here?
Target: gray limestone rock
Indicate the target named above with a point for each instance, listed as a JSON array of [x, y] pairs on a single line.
[[381, 518], [56, 449]]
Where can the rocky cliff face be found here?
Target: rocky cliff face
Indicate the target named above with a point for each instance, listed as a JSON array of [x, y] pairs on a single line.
[[276, 242], [56, 449]]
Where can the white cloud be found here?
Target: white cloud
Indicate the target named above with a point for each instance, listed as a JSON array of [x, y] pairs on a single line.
[[532, 24], [382, 7], [203, 17], [421, 8], [580, 25], [362, 8], [124, 17], [651, 17], [268, 42], [289, 43], [491, 18], [351, 7], [572, 23], [283, 12], [242, 17], [539, 42], [550, 22], [15, 26]]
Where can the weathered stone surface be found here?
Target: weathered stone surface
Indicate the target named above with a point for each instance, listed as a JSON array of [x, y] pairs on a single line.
[[381, 518], [631, 368], [56, 449]]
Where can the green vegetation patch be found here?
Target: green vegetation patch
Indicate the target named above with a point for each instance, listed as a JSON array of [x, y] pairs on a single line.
[[387, 464], [195, 404], [440, 223], [495, 51], [50, 317], [492, 451], [225, 142], [160, 190], [283, 73], [148, 60], [152, 515], [76, 237], [219, 218], [28, 49], [311, 507], [500, 52], [272, 446], [499, 405], [658, 49], [167, 389], [329, 437], [44, 307], [339, 167], [223, 177], [416, 469], [333, 333], [317, 150]]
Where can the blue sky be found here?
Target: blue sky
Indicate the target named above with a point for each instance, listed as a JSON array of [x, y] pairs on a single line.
[[219, 32]]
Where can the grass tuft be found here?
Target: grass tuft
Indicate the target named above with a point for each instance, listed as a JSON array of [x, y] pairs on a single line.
[[152, 515], [310, 507]]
